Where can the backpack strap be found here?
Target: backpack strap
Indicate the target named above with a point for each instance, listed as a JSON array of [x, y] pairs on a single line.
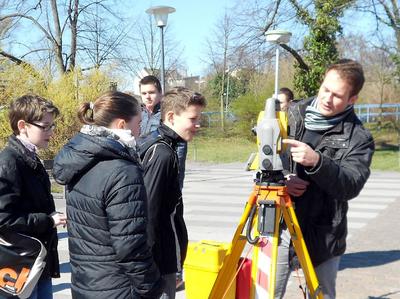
[[149, 152], [144, 143], [149, 143]]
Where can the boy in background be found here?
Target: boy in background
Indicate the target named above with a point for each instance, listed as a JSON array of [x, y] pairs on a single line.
[[285, 97]]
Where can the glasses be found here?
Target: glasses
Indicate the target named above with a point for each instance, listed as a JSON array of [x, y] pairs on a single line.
[[44, 128]]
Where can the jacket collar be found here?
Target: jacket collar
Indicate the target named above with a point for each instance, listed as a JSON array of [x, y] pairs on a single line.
[[27, 156], [169, 135], [85, 151], [157, 108]]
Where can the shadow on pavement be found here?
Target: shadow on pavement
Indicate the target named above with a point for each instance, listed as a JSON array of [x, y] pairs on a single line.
[[368, 259], [61, 286], [65, 267], [384, 296]]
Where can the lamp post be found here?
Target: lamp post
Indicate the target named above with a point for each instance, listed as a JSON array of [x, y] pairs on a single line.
[[160, 14], [277, 37]]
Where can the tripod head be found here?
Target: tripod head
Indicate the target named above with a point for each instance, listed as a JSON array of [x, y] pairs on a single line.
[[269, 178]]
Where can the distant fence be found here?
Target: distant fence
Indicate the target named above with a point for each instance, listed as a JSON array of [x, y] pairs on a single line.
[[368, 113], [211, 117], [372, 112]]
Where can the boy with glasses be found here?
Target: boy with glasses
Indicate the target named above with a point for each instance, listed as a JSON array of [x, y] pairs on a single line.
[[26, 203]]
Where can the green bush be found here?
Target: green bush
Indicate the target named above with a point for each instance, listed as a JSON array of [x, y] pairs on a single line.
[[246, 108], [66, 92]]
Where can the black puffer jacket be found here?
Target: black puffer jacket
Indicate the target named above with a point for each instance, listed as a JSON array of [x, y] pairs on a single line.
[[26, 201], [107, 220], [346, 152]]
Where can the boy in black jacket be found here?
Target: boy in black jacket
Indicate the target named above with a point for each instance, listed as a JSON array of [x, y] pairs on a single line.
[[180, 115], [26, 203]]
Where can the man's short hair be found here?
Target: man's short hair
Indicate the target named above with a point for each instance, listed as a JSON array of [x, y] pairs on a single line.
[[350, 71], [30, 108], [287, 92], [178, 99], [151, 80]]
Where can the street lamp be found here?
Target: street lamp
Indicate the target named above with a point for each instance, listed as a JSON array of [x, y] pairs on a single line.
[[160, 14], [277, 37]]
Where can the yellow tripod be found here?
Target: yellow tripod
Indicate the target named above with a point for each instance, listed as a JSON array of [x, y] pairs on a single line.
[[271, 202]]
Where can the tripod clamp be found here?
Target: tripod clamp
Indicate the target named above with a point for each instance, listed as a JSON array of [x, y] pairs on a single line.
[[266, 208], [266, 220]]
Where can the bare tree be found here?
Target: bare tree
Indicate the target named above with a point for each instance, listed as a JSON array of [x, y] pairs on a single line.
[[386, 13], [240, 35], [98, 40], [54, 22], [145, 49], [220, 46]]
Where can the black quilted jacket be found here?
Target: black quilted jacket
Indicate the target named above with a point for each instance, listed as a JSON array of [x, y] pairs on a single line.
[[107, 220]]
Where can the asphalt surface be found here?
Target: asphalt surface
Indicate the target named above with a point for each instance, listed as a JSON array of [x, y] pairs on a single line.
[[214, 198]]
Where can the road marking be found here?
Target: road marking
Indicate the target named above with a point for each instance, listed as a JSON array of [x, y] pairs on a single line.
[[367, 215], [355, 225], [366, 206]]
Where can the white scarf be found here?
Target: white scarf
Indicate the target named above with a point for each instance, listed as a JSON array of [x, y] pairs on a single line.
[[123, 136]]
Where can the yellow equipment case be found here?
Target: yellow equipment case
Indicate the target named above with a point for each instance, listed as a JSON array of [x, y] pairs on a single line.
[[203, 261]]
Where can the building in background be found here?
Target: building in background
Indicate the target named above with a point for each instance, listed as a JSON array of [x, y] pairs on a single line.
[[173, 78]]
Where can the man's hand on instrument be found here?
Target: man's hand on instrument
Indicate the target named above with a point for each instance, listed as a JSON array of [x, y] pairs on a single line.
[[302, 153], [295, 185]]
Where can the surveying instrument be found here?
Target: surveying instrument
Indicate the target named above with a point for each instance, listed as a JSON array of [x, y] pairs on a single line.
[[272, 205]]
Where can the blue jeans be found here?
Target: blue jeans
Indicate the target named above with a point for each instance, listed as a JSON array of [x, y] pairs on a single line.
[[43, 289]]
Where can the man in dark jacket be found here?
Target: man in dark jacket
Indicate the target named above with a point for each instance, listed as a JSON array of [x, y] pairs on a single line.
[[180, 114], [26, 203], [331, 154]]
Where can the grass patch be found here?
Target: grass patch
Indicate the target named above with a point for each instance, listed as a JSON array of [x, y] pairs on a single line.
[[56, 188], [220, 150], [217, 147], [386, 159], [387, 140]]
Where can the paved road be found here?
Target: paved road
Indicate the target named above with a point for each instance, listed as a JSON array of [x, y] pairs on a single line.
[[215, 195]]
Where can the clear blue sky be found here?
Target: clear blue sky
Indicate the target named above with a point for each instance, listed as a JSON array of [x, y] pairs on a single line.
[[191, 24], [194, 21]]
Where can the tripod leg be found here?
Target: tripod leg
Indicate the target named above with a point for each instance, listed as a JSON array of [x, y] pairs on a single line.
[[231, 259]]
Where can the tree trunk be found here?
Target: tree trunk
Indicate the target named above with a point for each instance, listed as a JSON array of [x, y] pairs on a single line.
[[73, 17], [57, 38]]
